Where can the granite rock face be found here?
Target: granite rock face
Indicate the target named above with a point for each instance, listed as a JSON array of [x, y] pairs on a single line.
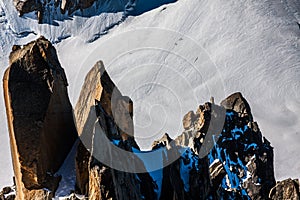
[[102, 105], [40, 116]]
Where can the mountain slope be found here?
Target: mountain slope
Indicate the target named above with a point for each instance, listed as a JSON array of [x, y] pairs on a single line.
[[255, 49]]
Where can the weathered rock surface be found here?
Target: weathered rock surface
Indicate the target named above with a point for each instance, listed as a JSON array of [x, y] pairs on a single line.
[[239, 104], [286, 189], [40, 117], [102, 103]]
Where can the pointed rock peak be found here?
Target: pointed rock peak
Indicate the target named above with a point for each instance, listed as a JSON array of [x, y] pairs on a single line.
[[166, 137], [164, 141], [99, 86], [38, 60], [239, 104], [102, 107], [91, 91]]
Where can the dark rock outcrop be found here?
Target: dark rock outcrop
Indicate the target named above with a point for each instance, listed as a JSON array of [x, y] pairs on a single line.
[[8, 193], [27, 6], [51, 10], [47, 11], [187, 177], [40, 117], [239, 164]]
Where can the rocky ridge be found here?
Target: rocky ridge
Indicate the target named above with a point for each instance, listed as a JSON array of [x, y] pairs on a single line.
[[221, 153], [48, 11], [239, 164]]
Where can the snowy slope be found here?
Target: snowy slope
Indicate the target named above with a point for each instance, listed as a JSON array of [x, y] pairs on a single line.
[[172, 58]]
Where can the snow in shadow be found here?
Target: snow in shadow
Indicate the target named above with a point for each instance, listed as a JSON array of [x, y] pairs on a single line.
[[52, 11], [138, 7]]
